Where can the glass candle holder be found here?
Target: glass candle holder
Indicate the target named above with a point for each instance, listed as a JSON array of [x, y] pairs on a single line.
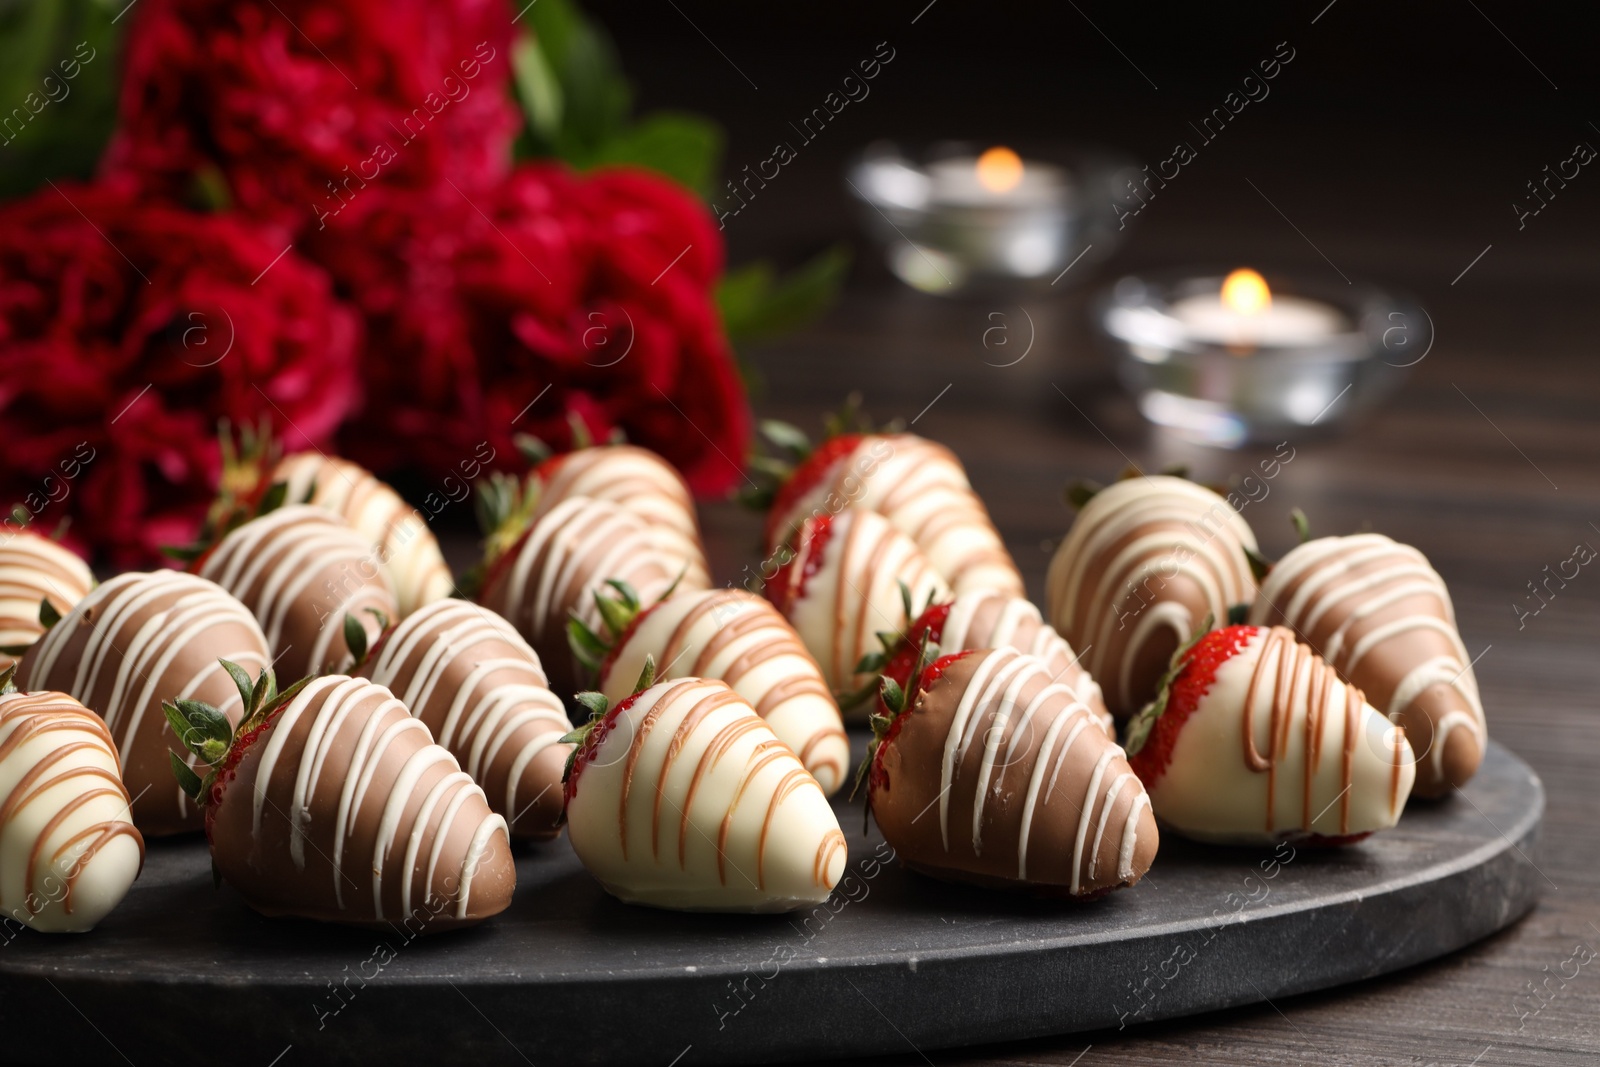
[[1232, 359], [953, 219]]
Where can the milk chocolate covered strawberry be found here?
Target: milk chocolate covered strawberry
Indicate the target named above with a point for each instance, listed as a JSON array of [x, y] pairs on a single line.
[[68, 852], [401, 541], [479, 688], [555, 567], [918, 485], [986, 619], [1147, 559], [733, 636], [302, 571], [640, 482], [846, 579], [1382, 617], [331, 802], [988, 771], [138, 639], [680, 796], [398, 534], [1254, 739], [35, 569]]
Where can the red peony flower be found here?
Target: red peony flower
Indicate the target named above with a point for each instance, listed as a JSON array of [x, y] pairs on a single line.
[[305, 106], [127, 330], [554, 296]]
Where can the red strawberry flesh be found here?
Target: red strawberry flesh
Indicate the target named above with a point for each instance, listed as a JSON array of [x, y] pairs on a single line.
[[592, 743], [805, 477], [810, 543], [879, 777], [1194, 681]]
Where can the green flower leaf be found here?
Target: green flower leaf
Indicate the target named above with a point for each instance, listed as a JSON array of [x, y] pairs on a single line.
[[756, 303]]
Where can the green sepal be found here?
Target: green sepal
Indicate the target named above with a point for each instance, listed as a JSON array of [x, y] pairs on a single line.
[[588, 647], [355, 638], [7, 679], [616, 613], [872, 662], [597, 706], [1301, 524], [1238, 614], [894, 698], [581, 437], [1144, 720], [787, 436], [203, 729], [188, 781], [1080, 492], [273, 498], [1260, 566], [533, 449], [48, 615], [241, 682]]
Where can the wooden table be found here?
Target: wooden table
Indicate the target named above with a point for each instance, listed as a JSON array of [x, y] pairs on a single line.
[[1488, 460]]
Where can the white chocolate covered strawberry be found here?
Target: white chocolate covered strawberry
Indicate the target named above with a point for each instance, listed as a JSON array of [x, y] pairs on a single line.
[[734, 636], [848, 578], [918, 485], [68, 852], [34, 569], [1145, 562], [1256, 739], [1381, 615], [681, 797]]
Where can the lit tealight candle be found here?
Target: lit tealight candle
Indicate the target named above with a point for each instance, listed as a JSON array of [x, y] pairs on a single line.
[[1245, 314], [997, 177]]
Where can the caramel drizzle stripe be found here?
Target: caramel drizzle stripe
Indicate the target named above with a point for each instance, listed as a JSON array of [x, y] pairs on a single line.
[[820, 737], [763, 754], [718, 698], [647, 723], [114, 790], [103, 833], [831, 843], [1287, 656], [796, 778], [724, 739]]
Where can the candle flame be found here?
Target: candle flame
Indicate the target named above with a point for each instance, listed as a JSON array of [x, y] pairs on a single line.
[[1246, 292], [999, 170]]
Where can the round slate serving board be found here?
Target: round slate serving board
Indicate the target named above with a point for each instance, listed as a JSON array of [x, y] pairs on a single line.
[[893, 962]]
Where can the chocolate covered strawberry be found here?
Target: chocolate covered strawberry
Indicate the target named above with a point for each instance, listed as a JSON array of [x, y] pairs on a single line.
[[731, 635], [845, 579], [1252, 738], [637, 480], [479, 688], [1381, 615], [331, 802], [993, 620], [35, 570], [1146, 560], [918, 485], [401, 540], [680, 796], [986, 770], [68, 852], [553, 569]]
